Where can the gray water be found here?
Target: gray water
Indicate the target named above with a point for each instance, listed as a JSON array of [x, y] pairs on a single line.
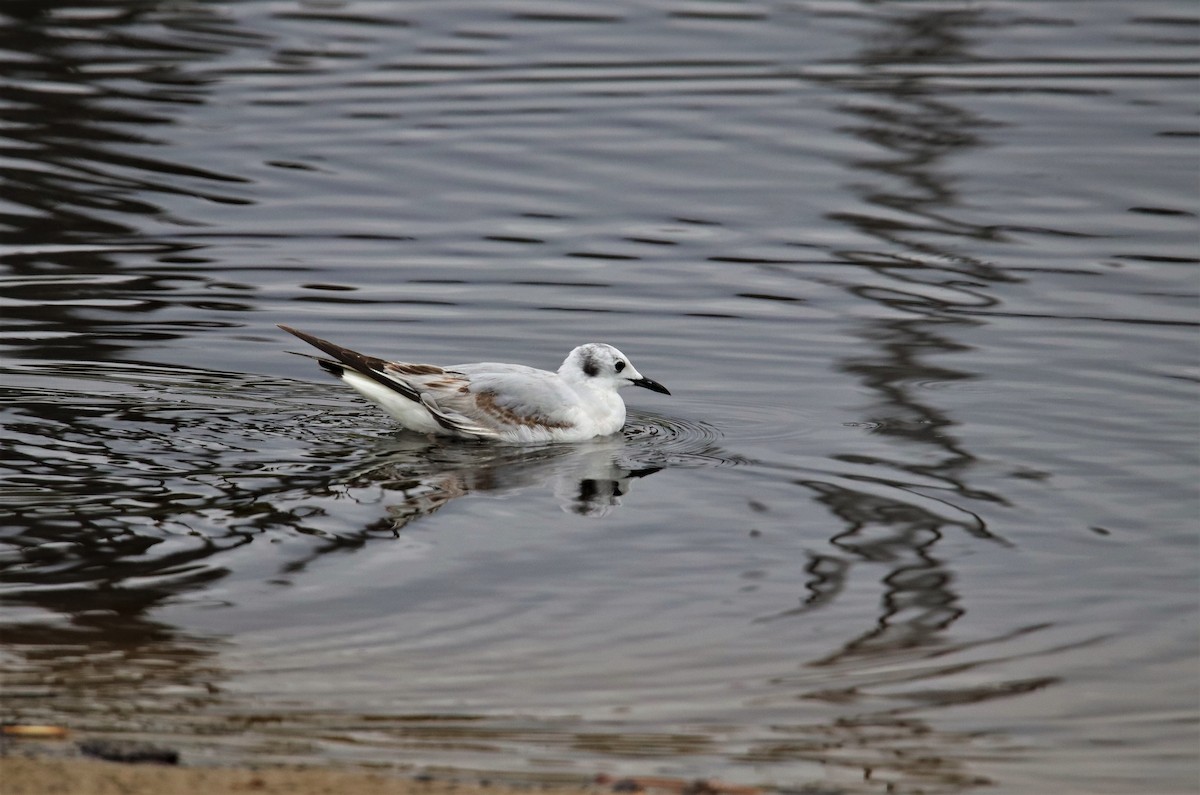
[[921, 277]]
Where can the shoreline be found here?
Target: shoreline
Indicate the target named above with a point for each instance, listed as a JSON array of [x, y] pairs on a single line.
[[41, 770], [22, 774]]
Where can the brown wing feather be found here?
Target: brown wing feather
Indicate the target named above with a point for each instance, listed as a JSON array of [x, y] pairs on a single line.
[[486, 403]]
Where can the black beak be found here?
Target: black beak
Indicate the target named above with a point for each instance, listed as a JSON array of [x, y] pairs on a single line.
[[653, 386]]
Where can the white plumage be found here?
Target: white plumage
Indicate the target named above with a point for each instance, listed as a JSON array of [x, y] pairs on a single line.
[[491, 400]]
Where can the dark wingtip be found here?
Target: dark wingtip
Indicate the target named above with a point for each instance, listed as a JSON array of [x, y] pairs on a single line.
[[368, 366], [295, 332], [337, 368], [332, 367]]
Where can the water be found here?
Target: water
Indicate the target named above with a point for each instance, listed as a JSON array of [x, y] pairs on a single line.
[[921, 278]]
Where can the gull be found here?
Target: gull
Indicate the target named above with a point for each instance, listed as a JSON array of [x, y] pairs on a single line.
[[489, 400]]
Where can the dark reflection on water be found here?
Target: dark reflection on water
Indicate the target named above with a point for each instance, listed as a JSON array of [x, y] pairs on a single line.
[[916, 271], [74, 106], [91, 97], [916, 133]]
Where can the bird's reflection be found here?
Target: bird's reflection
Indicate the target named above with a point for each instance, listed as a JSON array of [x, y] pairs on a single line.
[[421, 475]]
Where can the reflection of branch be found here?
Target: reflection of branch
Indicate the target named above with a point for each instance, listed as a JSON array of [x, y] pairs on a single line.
[[954, 696], [918, 602], [827, 580], [887, 515]]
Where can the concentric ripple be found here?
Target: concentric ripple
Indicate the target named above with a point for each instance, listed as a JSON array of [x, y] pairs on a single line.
[[658, 440]]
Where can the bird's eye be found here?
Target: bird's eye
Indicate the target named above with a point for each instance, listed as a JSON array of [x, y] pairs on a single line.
[[620, 365]]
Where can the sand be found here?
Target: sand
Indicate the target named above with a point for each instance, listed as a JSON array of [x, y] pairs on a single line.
[[72, 776]]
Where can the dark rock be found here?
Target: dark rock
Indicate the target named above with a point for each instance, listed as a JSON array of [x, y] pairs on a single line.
[[129, 752]]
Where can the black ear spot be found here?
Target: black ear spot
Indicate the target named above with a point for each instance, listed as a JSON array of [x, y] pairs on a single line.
[[620, 365], [590, 368]]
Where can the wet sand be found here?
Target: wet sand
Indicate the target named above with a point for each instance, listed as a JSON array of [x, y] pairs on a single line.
[[72, 776]]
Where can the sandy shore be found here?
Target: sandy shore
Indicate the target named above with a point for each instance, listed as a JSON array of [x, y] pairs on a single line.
[[38, 760], [71, 776]]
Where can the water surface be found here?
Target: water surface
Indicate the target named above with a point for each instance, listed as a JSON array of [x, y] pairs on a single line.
[[919, 513]]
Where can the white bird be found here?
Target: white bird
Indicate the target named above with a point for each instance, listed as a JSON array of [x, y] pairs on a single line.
[[489, 400]]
